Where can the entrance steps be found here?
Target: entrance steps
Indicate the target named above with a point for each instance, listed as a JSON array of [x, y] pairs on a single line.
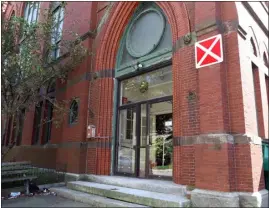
[[93, 200], [160, 186], [124, 195]]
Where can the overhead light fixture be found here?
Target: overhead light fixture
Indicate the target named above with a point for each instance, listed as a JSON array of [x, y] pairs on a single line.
[[139, 65]]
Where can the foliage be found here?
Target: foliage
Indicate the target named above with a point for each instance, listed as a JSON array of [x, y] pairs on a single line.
[[168, 149], [27, 66]]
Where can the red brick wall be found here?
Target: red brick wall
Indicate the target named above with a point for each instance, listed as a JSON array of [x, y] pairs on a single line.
[[184, 165], [212, 169], [257, 167], [267, 88], [249, 170], [99, 157], [258, 99]]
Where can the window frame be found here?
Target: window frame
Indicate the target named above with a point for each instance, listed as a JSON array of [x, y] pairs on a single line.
[[48, 114], [37, 123], [29, 9], [58, 10], [75, 121]]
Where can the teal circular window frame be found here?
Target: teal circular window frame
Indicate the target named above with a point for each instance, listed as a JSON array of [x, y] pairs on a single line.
[[129, 48]]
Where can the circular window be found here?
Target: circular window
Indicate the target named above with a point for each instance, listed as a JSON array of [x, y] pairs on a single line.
[[145, 33]]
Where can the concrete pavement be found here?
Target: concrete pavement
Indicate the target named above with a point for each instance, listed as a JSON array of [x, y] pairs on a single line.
[[42, 201]]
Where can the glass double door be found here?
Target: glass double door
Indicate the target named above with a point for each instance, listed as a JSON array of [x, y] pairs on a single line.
[[144, 146]]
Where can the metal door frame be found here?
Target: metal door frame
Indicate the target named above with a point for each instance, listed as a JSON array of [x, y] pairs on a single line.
[[137, 147]]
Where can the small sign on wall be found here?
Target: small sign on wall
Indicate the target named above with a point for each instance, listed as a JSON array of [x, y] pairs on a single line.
[[209, 51], [90, 131], [124, 100]]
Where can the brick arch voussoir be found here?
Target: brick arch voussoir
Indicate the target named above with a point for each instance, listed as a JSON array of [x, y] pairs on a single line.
[[118, 31], [176, 14], [104, 36], [177, 17], [111, 35]]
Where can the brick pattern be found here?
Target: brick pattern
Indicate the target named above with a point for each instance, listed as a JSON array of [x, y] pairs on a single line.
[[258, 99], [98, 158], [267, 87], [249, 171], [234, 87], [39, 156], [187, 165], [257, 168], [211, 167], [264, 87]]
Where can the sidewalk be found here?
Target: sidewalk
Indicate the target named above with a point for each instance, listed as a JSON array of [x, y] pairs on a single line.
[[41, 201]]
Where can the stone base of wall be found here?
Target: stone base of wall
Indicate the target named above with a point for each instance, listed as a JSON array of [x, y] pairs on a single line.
[[257, 199], [205, 198]]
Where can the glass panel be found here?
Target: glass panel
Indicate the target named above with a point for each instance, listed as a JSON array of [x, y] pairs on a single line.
[[30, 14], [35, 12], [127, 140], [147, 86], [55, 18], [26, 11], [161, 146], [61, 14], [57, 28], [57, 52], [59, 31], [143, 140]]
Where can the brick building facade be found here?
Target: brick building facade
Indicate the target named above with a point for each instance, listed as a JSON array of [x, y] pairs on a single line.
[[218, 113]]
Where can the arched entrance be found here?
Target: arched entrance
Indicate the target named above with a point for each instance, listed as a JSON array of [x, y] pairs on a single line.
[[144, 100], [127, 68]]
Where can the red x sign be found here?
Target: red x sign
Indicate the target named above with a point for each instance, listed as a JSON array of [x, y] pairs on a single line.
[[208, 51]]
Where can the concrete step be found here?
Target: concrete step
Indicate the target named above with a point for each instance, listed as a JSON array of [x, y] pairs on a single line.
[[160, 186], [148, 198], [93, 200]]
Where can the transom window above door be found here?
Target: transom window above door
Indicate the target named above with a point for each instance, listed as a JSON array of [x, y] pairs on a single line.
[[157, 83], [146, 41]]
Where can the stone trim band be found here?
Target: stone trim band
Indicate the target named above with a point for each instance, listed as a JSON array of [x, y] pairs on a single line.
[[92, 144], [217, 139]]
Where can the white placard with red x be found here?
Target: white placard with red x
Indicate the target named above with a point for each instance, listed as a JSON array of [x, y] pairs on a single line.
[[209, 51]]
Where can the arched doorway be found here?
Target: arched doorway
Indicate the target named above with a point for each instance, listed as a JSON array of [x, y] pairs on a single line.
[[108, 53], [144, 96]]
